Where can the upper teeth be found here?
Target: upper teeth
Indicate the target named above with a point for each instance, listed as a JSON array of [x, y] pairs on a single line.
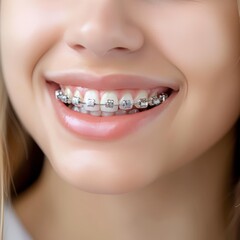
[[91, 100], [109, 100], [141, 101], [126, 102]]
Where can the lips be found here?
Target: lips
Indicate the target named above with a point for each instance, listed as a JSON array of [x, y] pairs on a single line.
[[108, 82], [96, 127]]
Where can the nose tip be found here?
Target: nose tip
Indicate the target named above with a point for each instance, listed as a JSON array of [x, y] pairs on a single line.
[[102, 41], [103, 34]]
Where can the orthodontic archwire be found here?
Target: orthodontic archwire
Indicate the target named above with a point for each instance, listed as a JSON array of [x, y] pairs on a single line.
[[125, 104]]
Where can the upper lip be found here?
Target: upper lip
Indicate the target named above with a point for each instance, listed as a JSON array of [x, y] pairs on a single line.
[[108, 82]]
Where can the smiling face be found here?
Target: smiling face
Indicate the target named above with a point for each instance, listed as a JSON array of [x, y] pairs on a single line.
[[189, 48]]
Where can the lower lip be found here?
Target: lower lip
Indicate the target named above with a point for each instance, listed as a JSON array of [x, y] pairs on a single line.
[[103, 128]]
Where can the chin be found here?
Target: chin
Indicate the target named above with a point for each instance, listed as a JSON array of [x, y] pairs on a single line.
[[101, 173]]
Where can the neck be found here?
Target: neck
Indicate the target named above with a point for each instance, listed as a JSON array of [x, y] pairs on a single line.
[[190, 203]]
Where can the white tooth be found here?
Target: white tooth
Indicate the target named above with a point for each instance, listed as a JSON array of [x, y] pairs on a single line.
[[107, 114], [133, 111], [76, 109], [76, 98], [109, 102], [91, 98], [120, 112], [126, 102], [141, 100], [153, 98], [68, 92], [58, 94], [96, 113], [82, 110], [77, 94]]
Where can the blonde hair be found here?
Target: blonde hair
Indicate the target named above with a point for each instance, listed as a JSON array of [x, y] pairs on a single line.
[[13, 148], [3, 151]]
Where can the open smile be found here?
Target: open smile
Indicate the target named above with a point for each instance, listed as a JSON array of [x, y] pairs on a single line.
[[105, 113], [108, 103]]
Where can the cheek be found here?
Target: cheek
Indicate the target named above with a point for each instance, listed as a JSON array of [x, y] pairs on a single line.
[[28, 31], [198, 39], [203, 43]]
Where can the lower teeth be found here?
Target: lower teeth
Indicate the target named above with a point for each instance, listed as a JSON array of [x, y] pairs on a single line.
[[143, 105]]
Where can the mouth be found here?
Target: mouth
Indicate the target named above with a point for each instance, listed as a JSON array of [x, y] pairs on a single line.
[[113, 109]]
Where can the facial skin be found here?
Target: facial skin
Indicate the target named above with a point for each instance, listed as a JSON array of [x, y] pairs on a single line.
[[194, 42]]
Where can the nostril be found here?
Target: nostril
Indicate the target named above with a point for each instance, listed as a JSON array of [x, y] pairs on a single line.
[[121, 49], [78, 47]]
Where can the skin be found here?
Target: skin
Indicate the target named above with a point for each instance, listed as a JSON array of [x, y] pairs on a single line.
[[169, 188]]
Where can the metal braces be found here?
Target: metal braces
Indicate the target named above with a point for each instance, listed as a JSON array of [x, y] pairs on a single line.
[[124, 105]]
